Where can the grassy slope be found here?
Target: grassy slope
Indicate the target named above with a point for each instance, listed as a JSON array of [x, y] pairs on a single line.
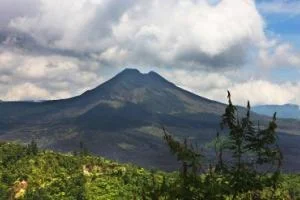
[[50, 175]]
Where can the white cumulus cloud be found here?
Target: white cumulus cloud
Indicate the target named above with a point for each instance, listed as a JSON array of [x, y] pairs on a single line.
[[257, 91], [281, 55], [153, 33], [61, 48], [26, 91]]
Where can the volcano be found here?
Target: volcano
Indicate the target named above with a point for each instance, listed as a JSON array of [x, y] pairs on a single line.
[[122, 119]]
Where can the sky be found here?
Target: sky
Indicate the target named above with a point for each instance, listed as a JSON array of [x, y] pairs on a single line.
[[53, 49]]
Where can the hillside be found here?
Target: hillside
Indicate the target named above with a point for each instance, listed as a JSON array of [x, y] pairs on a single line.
[[54, 176], [122, 118], [48, 175]]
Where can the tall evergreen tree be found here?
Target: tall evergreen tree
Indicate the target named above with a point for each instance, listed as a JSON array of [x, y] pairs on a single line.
[[255, 152], [253, 158]]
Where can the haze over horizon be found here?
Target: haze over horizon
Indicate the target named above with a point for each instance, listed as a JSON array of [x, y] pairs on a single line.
[[58, 49]]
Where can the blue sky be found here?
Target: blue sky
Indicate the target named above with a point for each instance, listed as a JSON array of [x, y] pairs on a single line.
[[282, 20], [285, 23], [57, 49]]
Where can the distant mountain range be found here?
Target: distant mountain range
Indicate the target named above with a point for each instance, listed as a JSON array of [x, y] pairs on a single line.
[[122, 118], [288, 111]]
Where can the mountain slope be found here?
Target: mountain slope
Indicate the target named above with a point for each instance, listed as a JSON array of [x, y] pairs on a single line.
[[122, 118]]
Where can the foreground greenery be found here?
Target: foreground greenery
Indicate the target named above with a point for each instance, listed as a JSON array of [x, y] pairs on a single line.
[[247, 164], [48, 175], [250, 169]]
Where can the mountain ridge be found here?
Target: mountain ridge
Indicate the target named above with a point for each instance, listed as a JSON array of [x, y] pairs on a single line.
[[128, 111], [287, 111]]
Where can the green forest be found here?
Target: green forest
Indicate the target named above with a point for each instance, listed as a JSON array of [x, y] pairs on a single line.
[[248, 165], [49, 175]]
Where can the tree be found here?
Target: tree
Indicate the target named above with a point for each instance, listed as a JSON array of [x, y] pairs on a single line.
[[190, 159], [253, 158], [32, 148], [254, 152]]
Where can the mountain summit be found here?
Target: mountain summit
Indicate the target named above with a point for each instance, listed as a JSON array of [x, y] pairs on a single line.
[[149, 90], [122, 118], [130, 85]]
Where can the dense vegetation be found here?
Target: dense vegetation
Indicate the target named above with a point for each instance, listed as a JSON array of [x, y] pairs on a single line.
[[49, 175], [26, 174], [247, 166]]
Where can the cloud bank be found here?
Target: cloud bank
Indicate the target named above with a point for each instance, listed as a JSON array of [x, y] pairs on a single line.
[[257, 91], [42, 42], [173, 33]]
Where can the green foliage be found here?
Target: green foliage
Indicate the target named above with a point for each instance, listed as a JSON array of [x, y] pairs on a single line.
[[55, 176], [32, 148], [190, 158], [250, 171], [252, 150]]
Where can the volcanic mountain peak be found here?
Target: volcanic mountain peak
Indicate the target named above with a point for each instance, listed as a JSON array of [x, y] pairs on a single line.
[[130, 80], [129, 108], [134, 75], [136, 72], [130, 71]]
